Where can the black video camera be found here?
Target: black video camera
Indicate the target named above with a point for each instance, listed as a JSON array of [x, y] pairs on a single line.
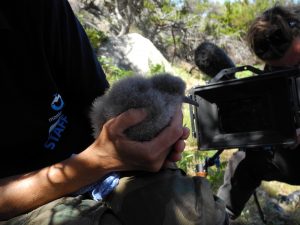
[[261, 110]]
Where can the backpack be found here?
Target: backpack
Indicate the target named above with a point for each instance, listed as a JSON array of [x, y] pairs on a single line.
[[168, 197]]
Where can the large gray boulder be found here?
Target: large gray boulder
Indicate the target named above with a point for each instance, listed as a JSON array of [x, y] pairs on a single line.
[[134, 52]]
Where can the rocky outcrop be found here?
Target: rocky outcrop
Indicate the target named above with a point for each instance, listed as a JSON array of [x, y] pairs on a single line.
[[100, 15], [134, 52]]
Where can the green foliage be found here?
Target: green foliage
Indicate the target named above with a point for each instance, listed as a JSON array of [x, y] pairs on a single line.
[[190, 158], [235, 16], [187, 162], [216, 175], [157, 68], [96, 37], [113, 73], [149, 5], [159, 14]]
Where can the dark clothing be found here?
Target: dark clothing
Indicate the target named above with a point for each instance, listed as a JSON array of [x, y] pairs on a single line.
[[68, 211], [49, 77], [246, 169], [168, 197]]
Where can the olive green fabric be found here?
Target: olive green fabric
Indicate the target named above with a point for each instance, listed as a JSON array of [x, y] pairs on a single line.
[[67, 211], [168, 197]]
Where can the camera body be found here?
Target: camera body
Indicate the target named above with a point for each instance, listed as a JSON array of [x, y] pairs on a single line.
[[257, 111]]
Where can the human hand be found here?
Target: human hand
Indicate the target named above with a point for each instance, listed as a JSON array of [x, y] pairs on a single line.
[[121, 153], [177, 149]]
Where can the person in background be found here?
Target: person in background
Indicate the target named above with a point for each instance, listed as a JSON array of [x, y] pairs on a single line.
[[274, 37], [49, 79]]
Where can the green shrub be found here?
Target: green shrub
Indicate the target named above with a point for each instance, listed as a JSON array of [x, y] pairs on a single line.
[[96, 37], [157, 68], [113, 73]]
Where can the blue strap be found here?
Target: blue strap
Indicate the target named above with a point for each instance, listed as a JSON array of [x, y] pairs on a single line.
[[102, 188]]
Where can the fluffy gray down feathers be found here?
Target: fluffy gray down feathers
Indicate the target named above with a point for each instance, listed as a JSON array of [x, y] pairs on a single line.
[[160, 95]]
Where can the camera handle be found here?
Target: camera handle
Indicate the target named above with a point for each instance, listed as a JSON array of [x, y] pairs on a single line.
[[201, 170], [227, 73]]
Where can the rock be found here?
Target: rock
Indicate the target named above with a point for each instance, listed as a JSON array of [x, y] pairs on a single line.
[[134, 52]]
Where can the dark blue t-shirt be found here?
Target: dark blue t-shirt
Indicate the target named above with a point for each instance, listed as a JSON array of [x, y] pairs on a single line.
[[49, 78]]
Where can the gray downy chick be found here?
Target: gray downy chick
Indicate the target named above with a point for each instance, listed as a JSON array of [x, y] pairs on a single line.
[[160, 95]]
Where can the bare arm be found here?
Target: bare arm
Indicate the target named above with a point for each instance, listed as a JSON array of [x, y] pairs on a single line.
[[111, 151]]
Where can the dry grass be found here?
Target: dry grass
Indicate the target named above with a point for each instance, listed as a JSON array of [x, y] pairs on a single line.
[[274, 188]]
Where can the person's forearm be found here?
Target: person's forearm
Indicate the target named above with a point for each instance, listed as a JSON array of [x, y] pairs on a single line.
[[111, 151], [20, 194]]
